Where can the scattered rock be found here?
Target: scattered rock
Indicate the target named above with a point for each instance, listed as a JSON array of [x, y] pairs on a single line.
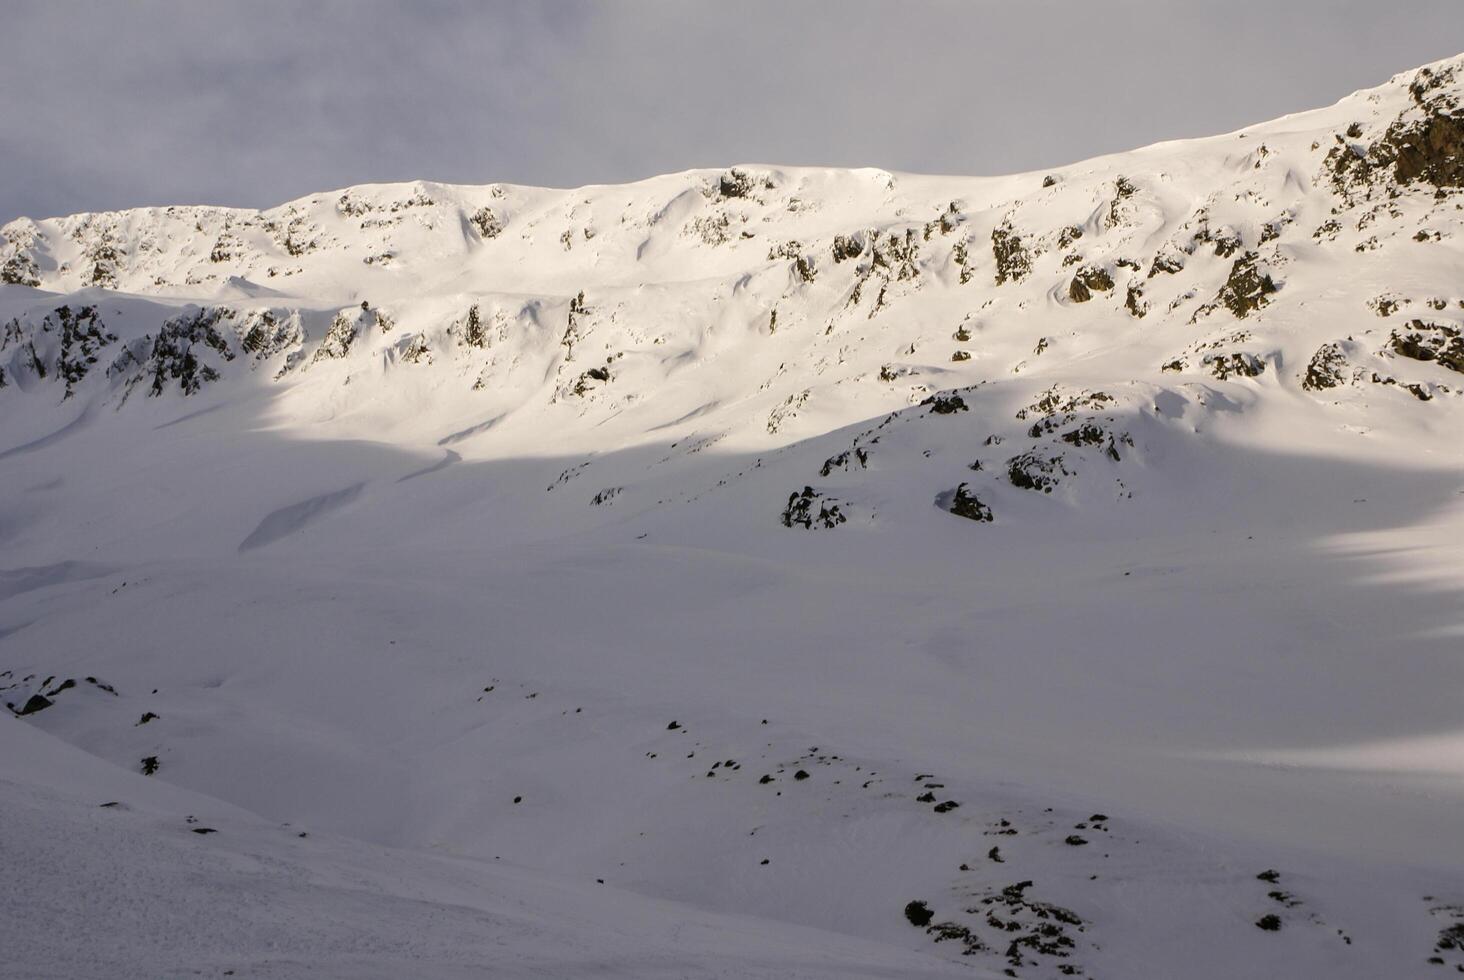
[[800, 512], [918, 914], [1013, 261], [968, 505], [36, 702], [1088, 280], [1247, 288], [946, 404], [1327, 368]]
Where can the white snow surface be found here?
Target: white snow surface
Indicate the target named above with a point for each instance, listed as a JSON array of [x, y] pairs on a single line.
[[444, 549]]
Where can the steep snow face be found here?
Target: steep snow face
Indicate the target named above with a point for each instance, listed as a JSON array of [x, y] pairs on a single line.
[[787, 542]]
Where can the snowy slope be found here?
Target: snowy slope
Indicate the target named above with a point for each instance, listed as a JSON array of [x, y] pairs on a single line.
[[507, 538]]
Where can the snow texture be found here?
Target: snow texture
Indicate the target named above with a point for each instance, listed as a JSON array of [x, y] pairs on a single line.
[[834, 573]]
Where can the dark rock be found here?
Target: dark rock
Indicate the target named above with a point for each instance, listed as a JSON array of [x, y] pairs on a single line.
[[968, 505], [946, 404], [1032, 471], [36, 702], [1226, 365], [1421, 341], [848, 247], [1134, 302], [1327, 368], [735, 184], [800, 512], [1088, 280], [65, 685], [487, 223], [1247, 289], [1168, 263], [1013, 261], [918, 914]]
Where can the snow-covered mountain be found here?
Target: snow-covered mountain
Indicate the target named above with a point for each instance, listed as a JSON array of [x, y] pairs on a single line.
[[762, 572]]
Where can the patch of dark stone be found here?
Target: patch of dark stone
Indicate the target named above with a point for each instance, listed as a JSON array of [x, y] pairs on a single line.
[[1284, 898], [946, 404], [918, 914], [1247, 289], [36, 702], [968, 505], [1436, 342], [1031, 471], [1327, 368], [1003, 828], [1043, 927], [800, 512], [842, 460], [1013, 261], [1087, 281]]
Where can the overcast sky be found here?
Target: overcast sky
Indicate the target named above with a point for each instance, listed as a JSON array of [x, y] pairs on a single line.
[[125, 102]]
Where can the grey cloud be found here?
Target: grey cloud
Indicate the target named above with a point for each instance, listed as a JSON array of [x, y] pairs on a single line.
[[106, 105]]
